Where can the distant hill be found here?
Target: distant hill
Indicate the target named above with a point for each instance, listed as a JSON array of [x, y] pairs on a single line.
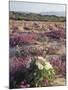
[[35, 17], [53, 13]]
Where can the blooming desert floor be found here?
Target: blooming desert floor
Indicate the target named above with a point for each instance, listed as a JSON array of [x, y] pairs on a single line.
[[32, 41]]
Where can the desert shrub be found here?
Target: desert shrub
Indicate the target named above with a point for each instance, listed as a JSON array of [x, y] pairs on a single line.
[[37, 72], [55, 34], [40, 70], [59, 65], [17, 70], [24, 38]]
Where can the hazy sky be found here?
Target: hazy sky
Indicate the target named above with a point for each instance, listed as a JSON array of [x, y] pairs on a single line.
[[35, 7]]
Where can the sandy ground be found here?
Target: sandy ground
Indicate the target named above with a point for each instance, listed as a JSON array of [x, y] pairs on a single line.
[[59, 81]]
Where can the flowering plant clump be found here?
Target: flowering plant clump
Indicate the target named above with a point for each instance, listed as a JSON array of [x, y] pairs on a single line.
[[31, 72], [59, 65], [40, 73]]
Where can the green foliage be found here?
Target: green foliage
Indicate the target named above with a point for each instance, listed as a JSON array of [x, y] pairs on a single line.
[[35, 76]]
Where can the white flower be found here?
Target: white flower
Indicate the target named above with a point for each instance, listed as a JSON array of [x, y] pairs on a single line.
[[48, 66], [43, 63], [40, 66], [41, 58]]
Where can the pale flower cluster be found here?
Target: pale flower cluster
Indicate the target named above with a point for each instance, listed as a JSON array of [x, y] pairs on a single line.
[[40, 66], [48, 66], [42, 63]]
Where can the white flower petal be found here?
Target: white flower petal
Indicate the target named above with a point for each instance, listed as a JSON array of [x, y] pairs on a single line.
[[48, 66], [40, 66]]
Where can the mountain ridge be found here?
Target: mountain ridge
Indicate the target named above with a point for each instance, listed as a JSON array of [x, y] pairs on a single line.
[[58, 13]]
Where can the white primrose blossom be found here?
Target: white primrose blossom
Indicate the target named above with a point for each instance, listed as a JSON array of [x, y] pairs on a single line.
[[40, 66], [48, 66], [41, 58], [43, 63]]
